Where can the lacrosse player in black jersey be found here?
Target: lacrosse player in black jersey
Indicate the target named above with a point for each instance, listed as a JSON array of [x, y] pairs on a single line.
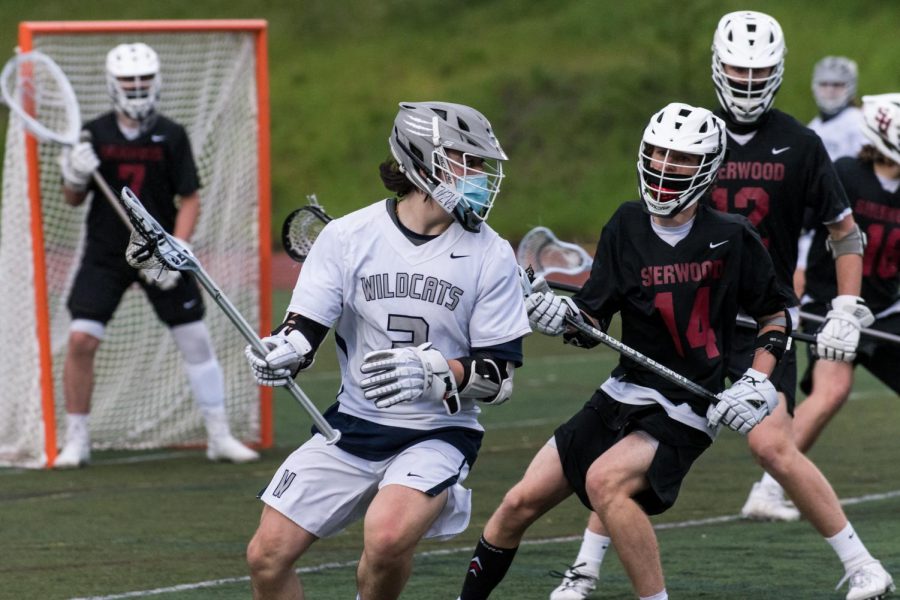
[[135, 145], [777, 169], [675, 270]]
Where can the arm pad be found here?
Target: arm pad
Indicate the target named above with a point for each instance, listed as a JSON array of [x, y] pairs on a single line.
[[486, 379], [852, 243]]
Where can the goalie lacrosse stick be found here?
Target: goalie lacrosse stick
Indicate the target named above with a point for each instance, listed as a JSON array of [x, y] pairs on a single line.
[[161, 250], [302, 227], [645, 361], [37, 91]]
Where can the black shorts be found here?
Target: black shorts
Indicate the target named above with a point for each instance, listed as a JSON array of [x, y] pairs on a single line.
[[784, 377], [881, 358], [604, 421], [100, 284]]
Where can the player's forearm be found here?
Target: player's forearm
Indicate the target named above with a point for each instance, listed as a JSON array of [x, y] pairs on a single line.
[[188, 213]]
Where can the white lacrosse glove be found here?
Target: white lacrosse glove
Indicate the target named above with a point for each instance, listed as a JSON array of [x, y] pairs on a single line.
[[747, 402], [839, 335], [405, 374], [547, 312], [287, 355], [77, 164]]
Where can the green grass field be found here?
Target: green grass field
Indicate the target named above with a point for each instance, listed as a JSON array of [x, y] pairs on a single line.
[[168, 524]]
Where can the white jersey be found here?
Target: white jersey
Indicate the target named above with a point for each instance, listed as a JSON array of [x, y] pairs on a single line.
[[841, 134], [459, 291]]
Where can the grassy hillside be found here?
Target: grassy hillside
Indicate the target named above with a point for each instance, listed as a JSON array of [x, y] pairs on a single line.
[[568, 85]]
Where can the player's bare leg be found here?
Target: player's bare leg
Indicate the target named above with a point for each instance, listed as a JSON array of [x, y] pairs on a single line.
[[277, 544], [396, 520], [78, 385], [832, 381], [611, 482]]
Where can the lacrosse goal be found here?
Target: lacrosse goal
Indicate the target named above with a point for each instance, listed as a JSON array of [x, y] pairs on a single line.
[[215, 83]]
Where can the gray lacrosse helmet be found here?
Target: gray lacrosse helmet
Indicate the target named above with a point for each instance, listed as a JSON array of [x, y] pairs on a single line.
[[466, 188], [834, 84]]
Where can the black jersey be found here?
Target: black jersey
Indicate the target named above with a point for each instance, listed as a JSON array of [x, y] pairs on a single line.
[[678, 304], [782, 170], [157, 166], [877, 212]]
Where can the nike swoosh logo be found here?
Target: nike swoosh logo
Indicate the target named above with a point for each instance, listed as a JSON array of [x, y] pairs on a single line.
[[190, 304], [777, 151], [459, 255], [157, 138], [711, 245], [408, 474]]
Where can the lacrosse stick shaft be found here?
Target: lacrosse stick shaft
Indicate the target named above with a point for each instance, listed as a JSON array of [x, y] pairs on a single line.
[[873, 333], [649, 363], [331, 434], [741, 321]]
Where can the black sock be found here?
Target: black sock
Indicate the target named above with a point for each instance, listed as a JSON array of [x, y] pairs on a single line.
[[487, 569]]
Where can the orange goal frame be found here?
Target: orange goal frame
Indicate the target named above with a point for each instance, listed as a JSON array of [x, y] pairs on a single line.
[[257, 27]]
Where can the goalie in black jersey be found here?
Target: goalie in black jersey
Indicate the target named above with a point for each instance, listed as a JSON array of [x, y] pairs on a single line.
[[136, 146], [676, 271]]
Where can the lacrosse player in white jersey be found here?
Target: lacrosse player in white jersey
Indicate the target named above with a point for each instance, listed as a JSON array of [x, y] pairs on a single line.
[[426, 303]]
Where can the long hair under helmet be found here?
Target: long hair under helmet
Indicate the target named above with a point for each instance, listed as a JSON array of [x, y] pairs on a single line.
[[683, 129], [424, 131], [749, 40], [881, 123]]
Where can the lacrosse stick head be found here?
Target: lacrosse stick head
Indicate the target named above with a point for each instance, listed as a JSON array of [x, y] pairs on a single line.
[[301, 228], [544, 253], [150, 246], [37, 91]]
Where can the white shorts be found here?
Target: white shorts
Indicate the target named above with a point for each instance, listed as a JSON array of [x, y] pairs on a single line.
[[323, 489]]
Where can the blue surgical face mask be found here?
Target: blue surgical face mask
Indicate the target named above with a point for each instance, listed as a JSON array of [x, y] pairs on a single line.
[[474, 189]]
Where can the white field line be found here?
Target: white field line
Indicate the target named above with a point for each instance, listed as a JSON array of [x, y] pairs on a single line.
[[460, 550]]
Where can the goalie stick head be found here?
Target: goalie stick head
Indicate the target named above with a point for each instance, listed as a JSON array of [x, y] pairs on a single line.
[[151, 246]]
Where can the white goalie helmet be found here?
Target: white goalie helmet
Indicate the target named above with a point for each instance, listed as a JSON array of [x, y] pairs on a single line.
[[747, 40], [881, 123], [681, 151], [423, 133], [834, 84], [133, 80]]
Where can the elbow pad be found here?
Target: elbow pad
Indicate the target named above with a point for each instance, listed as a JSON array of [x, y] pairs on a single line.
[[852, 243], [486, 379]]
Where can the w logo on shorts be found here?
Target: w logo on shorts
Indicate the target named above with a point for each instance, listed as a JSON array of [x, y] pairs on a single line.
[[286, 480]]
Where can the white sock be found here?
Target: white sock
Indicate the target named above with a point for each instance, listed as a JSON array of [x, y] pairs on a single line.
[[663, 595], [593, 549], [849, 548], [769, 482], [77, 427]]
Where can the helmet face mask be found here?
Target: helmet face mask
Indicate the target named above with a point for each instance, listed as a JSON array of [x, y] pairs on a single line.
[[834, 84], [680, 154], [449, 152], [133, 80], [881, 123], [747, 64]]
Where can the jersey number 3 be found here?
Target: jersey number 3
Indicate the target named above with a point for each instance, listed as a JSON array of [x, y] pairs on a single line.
[[698, 334]]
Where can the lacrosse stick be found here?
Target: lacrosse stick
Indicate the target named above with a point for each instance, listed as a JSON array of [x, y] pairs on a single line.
[[552, 250], [545, 253], [873, 333], [646, 362], [37, 90], [302, 227], [161, 250]]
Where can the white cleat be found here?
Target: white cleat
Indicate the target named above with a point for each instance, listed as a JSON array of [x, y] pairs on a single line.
[[73, 455], [576, 585], [226, 448], [766, 503], [868, 582]]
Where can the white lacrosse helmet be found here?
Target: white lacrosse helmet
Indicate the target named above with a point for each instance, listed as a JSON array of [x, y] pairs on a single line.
[[834, 84], [749, 40], [133, 80], [424, 131], [881, 123], [679, 129]]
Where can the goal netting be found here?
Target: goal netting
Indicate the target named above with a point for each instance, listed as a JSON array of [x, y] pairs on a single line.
[[213, 75]]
